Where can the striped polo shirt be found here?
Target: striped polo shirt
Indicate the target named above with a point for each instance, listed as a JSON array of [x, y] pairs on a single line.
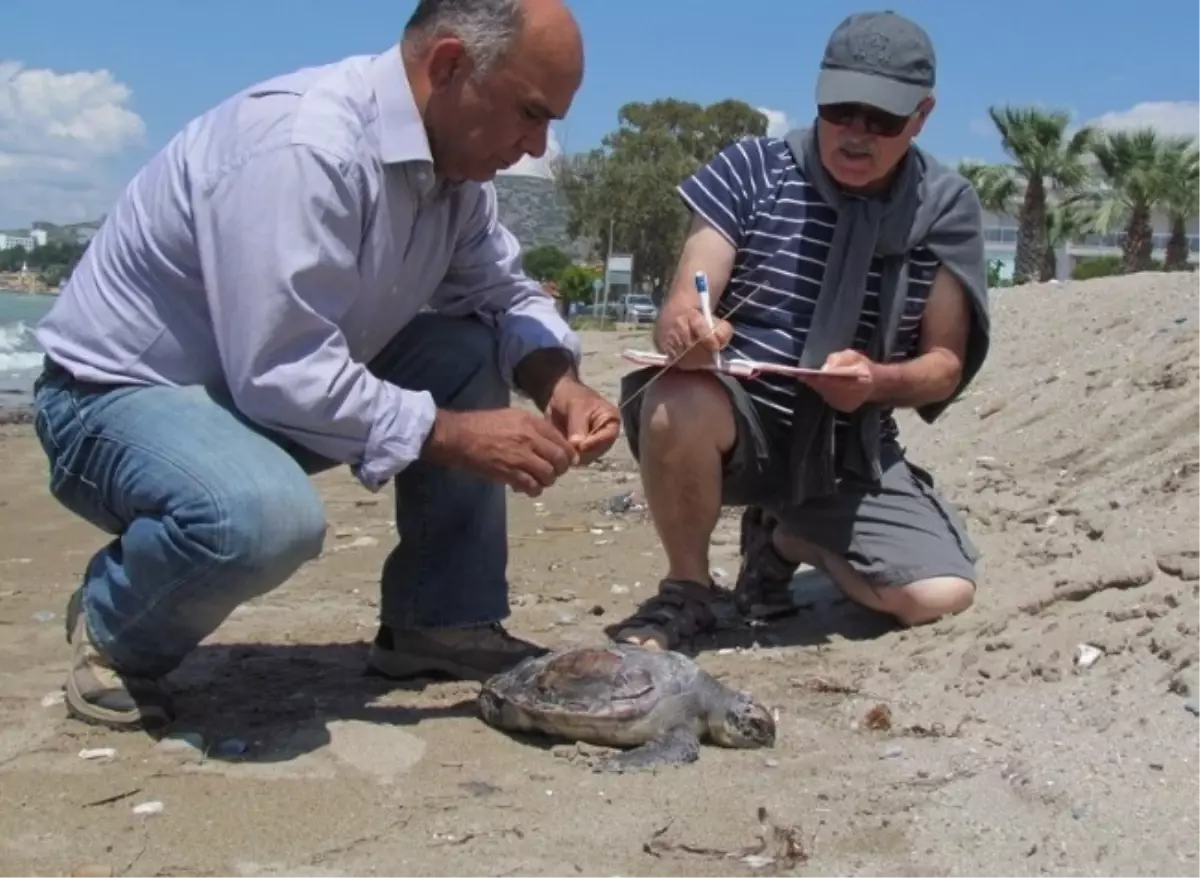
[[756, 196]]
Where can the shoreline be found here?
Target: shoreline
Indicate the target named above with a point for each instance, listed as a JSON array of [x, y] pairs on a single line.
[[9, 283], [16, 418], [21, 358], [15, 415]]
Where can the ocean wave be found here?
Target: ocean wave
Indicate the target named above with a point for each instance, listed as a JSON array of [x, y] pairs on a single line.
[[19, 351]]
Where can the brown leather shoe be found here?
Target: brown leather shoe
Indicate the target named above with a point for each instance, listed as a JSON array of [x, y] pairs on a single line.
[[99, 694], [474, 653]]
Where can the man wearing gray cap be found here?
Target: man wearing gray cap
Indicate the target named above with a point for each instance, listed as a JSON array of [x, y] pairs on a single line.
[[842, 248]]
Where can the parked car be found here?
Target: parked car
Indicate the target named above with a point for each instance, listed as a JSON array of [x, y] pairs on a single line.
[[638, 308], [594, 310]]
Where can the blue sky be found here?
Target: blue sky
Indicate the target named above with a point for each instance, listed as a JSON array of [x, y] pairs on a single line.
[[89, 90]]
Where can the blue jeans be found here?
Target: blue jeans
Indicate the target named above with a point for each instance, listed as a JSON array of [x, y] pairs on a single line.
[[208, 510]]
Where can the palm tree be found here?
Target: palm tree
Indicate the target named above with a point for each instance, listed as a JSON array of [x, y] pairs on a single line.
[[1181, 172], [1065, 221], [1133, 168], [996, 188], [1045, 157], [996, 185], [999, 189]]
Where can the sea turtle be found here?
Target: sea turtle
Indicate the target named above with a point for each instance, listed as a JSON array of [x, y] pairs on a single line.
[[656, 705]]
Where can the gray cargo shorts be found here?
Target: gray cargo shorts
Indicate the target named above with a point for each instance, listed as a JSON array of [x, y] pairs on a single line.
[[893, 533]]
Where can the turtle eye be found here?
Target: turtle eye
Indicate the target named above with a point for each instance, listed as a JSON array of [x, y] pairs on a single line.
[[759, 727]]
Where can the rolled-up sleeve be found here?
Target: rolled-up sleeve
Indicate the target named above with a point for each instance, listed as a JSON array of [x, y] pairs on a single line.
[[485, 278], [279, 239]]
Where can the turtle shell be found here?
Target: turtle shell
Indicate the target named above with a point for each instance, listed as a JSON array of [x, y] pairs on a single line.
[[599, 693]]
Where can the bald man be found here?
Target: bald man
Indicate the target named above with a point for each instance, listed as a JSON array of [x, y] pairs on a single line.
[[313, 273]]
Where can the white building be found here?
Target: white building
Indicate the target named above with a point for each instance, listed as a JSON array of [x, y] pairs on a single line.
[[11, 240], [22, 238], [1000, 243]]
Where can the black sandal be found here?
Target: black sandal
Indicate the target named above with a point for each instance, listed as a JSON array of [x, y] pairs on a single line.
[[680, 611], [763, 587]]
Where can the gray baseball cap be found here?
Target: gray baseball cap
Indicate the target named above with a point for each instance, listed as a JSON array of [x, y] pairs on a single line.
[[880, 59]]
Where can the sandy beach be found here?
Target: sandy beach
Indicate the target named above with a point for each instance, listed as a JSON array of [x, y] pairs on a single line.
[[1075, 460]]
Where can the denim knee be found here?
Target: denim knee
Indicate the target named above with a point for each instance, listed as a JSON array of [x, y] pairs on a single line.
[[456, 359], [476, 354], [267, 535]]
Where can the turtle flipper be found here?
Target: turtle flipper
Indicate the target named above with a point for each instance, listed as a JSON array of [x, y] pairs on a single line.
[[676, 746]]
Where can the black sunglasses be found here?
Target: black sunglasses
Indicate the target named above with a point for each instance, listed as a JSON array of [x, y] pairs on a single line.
[[876, 121]]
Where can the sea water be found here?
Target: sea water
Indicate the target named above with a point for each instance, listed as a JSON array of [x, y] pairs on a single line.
[[20, 356]]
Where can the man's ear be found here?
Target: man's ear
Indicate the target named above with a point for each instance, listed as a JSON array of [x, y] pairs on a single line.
[[448, 63], [923, 110]]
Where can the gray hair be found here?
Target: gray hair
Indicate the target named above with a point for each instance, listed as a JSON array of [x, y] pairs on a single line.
[[487, 28]]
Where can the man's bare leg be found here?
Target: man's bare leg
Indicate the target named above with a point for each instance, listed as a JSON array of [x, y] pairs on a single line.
[[916, 603], [686, 426]]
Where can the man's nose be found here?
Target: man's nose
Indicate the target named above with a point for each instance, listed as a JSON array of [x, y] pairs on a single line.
[[535, 142]]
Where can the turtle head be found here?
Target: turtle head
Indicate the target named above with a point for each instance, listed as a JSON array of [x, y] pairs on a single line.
[[743, 723]]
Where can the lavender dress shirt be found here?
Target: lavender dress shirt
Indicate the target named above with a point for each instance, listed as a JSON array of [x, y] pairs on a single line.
[[277, 244]]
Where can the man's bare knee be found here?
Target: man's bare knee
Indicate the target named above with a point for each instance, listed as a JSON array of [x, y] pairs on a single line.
[[928, 600], [681, 409]]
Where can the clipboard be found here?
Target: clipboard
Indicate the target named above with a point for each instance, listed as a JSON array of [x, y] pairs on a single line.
[[741, 368]]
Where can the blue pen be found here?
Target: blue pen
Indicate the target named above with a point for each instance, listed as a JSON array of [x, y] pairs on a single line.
[[706, 307]]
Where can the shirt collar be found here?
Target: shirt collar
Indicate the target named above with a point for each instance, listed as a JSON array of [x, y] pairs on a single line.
[[402, 136]]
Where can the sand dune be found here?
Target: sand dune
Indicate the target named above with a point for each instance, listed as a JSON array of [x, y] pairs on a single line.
[[1074, 458]]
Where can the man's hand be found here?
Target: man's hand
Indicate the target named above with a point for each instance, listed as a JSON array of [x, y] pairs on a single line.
[[590, 423], [845, 394], [506, 445], [581, 417], [682, 333]]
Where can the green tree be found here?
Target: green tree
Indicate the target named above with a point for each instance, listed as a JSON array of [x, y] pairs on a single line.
[[1045, 157], [996, 185], [1182, 198], [54, 262], [13, 258], [627, 186], [1134, 169], [575, 283], [545, 262], [1066, 220], [999, 190]]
